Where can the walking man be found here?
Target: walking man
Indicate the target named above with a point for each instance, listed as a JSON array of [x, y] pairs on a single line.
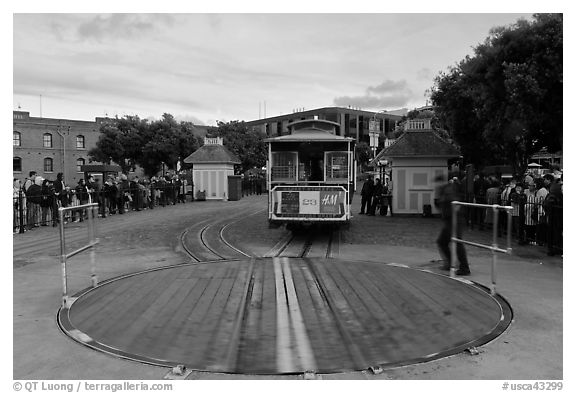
[[447, 193], [367, 192]]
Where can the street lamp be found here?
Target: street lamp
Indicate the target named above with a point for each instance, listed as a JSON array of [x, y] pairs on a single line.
[[374, 133]]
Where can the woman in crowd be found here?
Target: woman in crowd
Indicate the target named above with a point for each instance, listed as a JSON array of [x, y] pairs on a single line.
[[530, 214]]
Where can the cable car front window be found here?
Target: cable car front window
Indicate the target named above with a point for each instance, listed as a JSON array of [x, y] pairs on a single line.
[[284, 166], [336, 165]]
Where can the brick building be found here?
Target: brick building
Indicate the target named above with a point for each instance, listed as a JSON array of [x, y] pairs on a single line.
[[49, 146]]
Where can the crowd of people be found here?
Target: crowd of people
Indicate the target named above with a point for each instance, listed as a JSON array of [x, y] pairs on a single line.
[[376, 196], [36, 200], [536, 201]]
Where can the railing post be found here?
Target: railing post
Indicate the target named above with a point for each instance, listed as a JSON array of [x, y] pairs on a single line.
[[494, 246], [20, 211], [63, 259], [509, 237], [92, 239], [453, 242]]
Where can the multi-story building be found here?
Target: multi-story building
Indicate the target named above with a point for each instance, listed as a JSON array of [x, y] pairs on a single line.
[[353, 122], [49, 146]]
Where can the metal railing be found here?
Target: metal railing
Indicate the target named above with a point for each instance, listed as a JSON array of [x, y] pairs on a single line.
[[92, 213], [493, 247]]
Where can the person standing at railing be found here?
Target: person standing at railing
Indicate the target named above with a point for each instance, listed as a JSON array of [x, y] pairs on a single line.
[[480, 187], [376, 197], [553, 209], [542, 184], [161, 190], [47, 202], [366, 193], [136, 194], [34, 196], [110, 194], [517, 207], [154, 192], [81, 192], [123, 193], [31, 208], [60, 193], [16, 201], [178, 187], [505, 200], [97, 196], [492, 198], [530, 214], [448, 192]]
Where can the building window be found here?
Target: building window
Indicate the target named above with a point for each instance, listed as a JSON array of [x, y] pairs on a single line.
[[80, 142], [79, 163], [17, 164], [47, 140], [48, 165], [16, 139]]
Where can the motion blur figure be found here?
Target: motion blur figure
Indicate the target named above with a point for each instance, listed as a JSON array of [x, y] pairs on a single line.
[[447, 192]]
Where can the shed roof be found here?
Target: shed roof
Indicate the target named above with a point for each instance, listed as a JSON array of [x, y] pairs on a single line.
[[212, 154], [419, 144]]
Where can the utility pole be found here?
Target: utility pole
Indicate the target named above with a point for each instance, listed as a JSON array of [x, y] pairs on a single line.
[[63, 153]]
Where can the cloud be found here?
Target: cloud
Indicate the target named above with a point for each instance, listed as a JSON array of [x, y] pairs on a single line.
[[387, 94], [190, 118], [387, 87], [424, 74], [102, 27]]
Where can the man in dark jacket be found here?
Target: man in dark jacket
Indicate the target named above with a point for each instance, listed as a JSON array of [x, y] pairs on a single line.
[[553, 210], [376, 197], [366, 193], [447, 192]]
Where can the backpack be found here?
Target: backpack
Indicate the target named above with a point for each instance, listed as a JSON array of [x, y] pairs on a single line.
[[34, 193]]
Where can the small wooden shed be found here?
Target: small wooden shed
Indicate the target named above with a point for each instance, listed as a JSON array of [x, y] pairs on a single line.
[[417, 157], [211, 166]]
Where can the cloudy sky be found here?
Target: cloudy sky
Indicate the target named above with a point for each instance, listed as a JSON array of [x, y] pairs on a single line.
[[208, 67]]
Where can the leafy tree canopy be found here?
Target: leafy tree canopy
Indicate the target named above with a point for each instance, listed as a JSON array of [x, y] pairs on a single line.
[[504, 103], [248, 144], [130, 141], [363, 154]]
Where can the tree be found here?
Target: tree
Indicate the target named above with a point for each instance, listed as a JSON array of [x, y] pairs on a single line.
[[363, 154], [131, 141], [167, 142], [247, 144], [504, 103], [120, 141]]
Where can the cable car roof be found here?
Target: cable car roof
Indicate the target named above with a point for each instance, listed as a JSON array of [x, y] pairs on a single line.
[[311, 130]]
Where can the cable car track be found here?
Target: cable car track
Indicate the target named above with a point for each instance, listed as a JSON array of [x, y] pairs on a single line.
[[301, 245], [206, 249]]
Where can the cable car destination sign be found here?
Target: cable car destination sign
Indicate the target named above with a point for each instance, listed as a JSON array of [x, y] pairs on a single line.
[[310, 201]]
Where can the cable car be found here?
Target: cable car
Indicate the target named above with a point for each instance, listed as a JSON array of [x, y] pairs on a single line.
[[311, 175]]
